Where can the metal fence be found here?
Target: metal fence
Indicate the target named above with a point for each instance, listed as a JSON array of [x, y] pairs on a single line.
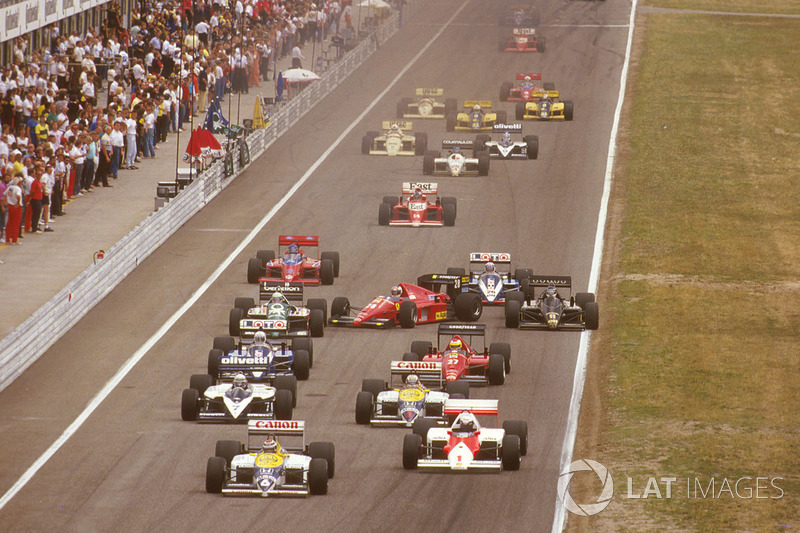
[[28, 341]]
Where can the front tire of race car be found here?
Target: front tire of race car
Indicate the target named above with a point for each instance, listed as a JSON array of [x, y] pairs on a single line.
[[569, 110], [282, 406], [410, 356], [483, 164], [234, 318], [334, 257], [510, 451], [520, 429], [407, 314], [457, 387], [504, 349], [189, 404], [450, 121], [215, 475], [318, 477], [326, 272], [468, 306], [384, 214], [287, 383], [324, 450], [519, 110], [319, 303], [316, 323], [254, 270], [451, 200], [449, 215], [226, 344], [302, 343], [420, 143], [505, 91], [428, 164], [421, 348], [301, 366], [228, 449], [412, 448], [364, 407], [497, 369], [201, 382], [340, 306], [591, 315], [502, 117], [512, 309], [533, 146]]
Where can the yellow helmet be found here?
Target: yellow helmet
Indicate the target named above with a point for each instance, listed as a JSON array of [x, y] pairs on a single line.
[[455, 344]]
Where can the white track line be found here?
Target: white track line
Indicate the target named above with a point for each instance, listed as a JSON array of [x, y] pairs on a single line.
[[597, 258], [137, 356]]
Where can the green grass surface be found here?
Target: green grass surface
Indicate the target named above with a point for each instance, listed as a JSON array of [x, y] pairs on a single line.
[[785, 7]]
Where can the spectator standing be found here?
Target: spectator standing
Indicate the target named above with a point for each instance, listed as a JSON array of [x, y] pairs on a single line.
[[117, 145], [104, 168], [13, 201]]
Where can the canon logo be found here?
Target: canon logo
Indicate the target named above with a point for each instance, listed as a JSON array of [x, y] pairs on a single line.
[[278, 424], [418, 365]]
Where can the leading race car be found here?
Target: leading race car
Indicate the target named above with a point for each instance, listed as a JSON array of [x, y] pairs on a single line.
[[394, 140], [456, 163], [419, 205], [546, 107], [523, 40], [476, 118], [489, 277], [265, 467], [381, 404], [262, 361], [506, 147], [292, 264], [519, 15], [466, 445], [407, 306], [426, 104], [549, 309], [526, 90], [277, 316], [237, 401]]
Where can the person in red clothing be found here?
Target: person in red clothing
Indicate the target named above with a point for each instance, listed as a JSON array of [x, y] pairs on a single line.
[[13, 199], [36, 197]]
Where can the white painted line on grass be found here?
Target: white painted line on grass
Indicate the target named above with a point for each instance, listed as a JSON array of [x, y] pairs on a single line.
[[139, 354]]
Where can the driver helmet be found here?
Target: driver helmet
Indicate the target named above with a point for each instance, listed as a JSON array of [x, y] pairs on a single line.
[[270, 445], [293, 249], [456, 149], [395, 126], [527, 78], [396, 290], [240, 381], [467, 421], [545, 96], [417, 193], [506, 138], [455, 344], [412, 381], [260, 337], [489, 267], [476, 107], [550, 292], [277, 297]]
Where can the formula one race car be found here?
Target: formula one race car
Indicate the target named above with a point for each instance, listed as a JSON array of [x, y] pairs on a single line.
[[466, 445], [292, 264], [456, 163], [425, 105], [549, 309], [506, 148], [276, 315], [476, 119], [457, 357], [419, 205], [526, 89], [407, 306], [489, 276], [380, 404], [519, 15], [265, 467], [545, 107], [237, 401], [262, 361], [394, 140], [523, 40]]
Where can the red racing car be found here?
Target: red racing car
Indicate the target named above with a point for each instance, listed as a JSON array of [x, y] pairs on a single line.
[[293, 265], [527, 90], [523, 40], [420, 205]]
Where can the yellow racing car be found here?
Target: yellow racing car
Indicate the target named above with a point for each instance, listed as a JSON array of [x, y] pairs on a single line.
[[545, 105], [476, 118]]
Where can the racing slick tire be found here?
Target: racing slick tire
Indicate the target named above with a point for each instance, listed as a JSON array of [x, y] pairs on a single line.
[[319, 303], [318, 476], [254, 270], [213, 362], [450, 105], [510, 452], [540, 45], [282, 406], [428, 163], [525, 288], [410, 356], [591, 315], [521, 273], [316, 323], [189, 401], [520, 429], [301, 365], [519, 110], [569, 110], [334, 257], [384, 214], [450, 200], [391, 200], [504, 349], [228, 449], [456, 271], [234, 317], [421, 348], [515, 295], [421, 427], [549, 86], [420, 143], [244, 303], [340, 306], [449, 215], [497, 369], [505, 91], [458, 387], [324, 450], [412, 447], [478, 145], [450, 121], [512, 309], [226, 344], [483, 137], [483, 164], [364, 407], [366, 142], [373, 386], [215, 475], [468, 306], [265, 256], [326, 272], [304, 343], [501, 117], [402, 107], [407, 314], [583, 298], [533, 146], [201, 382], [287, 383]]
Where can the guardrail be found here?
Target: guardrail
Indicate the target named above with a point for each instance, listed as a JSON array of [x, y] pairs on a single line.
[[28, 341]]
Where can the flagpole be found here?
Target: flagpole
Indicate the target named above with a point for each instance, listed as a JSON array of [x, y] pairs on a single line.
[[178, 114]]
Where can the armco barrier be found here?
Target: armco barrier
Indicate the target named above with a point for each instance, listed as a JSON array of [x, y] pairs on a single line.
[[28, 341]]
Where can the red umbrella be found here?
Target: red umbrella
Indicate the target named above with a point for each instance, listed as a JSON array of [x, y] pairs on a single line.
[[209, 142], [194, 149]]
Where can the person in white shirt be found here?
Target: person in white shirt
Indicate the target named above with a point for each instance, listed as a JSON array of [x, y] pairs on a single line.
[[130, 134], [88, 90], [13, 200], [117, 145], [78, 155], [138, 71]]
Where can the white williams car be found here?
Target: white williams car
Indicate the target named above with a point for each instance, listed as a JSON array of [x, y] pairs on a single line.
[[237, 401], [506, 147], [456, 163]]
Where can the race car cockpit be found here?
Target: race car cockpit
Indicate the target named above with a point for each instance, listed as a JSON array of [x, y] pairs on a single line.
[[293, 255]]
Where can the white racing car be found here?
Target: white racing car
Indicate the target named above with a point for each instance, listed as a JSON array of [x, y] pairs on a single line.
[[456, 163], [238, 402], [506, 147], [266, 467]]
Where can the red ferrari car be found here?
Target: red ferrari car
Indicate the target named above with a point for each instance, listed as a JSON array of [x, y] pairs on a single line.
[[523, 40], [419, 205], [407, 305], [460, 358], [527, 90], [293, 265]]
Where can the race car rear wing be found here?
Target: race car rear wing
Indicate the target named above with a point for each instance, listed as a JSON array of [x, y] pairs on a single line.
[[299, 240], [545, 281], [495, 257], [429, 92], [524, 31], [293, 291], [468, 331], [482, 103], [426, 188], [476, 407], [539, 94], [402, 124], [448, 144], [511, 128], [434, 282], [257, 429], [531, 75], [429, 372]]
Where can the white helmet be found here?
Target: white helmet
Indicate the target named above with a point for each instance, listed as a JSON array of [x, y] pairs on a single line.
[[260, 337], [240, 381], [476, 107], [277, 296]]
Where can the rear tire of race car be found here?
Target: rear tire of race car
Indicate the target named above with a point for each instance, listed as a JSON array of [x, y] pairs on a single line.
[[226, 344], [215, 475], [450, 121], [318, 477], [189, 404], [282, 407], [450, 105], [549, 86], [213, 363], [569, 110], [483, 164], [525, 288], [512, 309], [420, 143], [504, 349], [402, 107], [450, 200], [316, 323], [458, 387], [478, 146], [591, 315], [373, 386], [449, 215], [421, 348], [234, 317], [510, 452], [301, 366], [468, 306], [201, 382], [228, 449], [505, 91], [245, 303], [364, 407], [521, 273], [384, 214], [324, 450], [287, 383], [391, 200], [421, 427], [520, 429], [366, 142], [340, 306], [583, 298], [302, 343], [254, 270], [540, 45], [502, 117], [497, 369], [319, 303], [334, 257], [407, 314], [428, 163], [326, 275], [412, 446], [265, 256], [533, 146], [456, 271], [410, 356], [519, 110]]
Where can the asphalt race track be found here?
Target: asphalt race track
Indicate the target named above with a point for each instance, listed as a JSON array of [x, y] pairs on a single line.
[[135, 466]]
